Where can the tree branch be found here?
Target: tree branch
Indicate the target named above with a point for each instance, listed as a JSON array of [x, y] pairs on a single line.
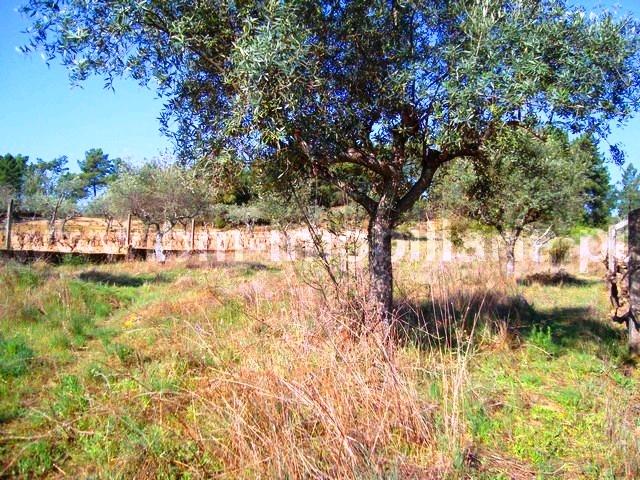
[[430, 163], [347, 187], [364, 159]]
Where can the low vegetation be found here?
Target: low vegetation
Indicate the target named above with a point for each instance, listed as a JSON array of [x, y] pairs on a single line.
[[192, 370]]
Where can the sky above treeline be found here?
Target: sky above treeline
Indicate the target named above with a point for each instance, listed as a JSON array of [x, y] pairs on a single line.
[[42, 116]]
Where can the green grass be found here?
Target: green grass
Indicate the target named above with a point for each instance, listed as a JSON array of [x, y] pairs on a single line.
[[553, 392], [66, 343]]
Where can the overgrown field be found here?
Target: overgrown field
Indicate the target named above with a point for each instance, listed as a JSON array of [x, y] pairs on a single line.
[[189, 370]]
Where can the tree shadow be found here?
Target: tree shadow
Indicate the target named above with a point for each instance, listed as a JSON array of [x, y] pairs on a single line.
[[555, 279], [576, 327], [446, 324], [438, 323], [120, 280]]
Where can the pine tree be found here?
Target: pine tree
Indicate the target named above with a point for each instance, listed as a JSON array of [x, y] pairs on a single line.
[[12, 171], [597, 192], [629, 192], [98, 169]]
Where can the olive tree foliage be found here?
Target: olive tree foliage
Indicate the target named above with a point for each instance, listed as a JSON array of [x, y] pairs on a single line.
[[52, 192], [161, 194], [371, 96], [526, 180]]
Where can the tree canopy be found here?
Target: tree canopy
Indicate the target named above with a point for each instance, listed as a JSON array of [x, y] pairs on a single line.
[[98, 169], [12, 171], [526, 179], [597, 191], [371, 96], [628, 197], [51, 191], [159, 194]]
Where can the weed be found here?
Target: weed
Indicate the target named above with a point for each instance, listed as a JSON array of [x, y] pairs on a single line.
[[37, 459], [15, 357], [541, 338], [559, 250], [69, 397], [124, 352]]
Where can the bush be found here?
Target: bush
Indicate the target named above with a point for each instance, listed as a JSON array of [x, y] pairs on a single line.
[[560, 250], [219, 222], [248, 214]]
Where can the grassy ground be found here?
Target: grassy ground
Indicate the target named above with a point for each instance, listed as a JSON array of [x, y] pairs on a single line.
[[248, 371]]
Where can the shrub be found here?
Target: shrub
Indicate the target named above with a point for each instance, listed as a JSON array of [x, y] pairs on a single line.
[[560, 250], [219, 222], [249, 214]]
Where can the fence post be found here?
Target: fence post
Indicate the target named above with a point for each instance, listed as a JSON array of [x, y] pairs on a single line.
[[8, 225], [128, 240], [192, 237], [634, 281], [611, 250]]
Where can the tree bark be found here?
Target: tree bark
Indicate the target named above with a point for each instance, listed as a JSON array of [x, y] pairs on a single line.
[[634, 281], [634, 335], [380, 268], [158, 249], [511, 257]]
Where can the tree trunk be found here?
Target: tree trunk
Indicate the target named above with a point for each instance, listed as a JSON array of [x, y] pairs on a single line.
[[8, 225], [158, 249], [380, 269], [52, 221], [52, 229], [511, 258], [634, 281], [63, 225], [634, 335]]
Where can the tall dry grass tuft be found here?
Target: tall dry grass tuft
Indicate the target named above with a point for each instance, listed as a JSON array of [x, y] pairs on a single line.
[[333, 414], [624, 433], [442, 306], [312, 399], [311, 394]]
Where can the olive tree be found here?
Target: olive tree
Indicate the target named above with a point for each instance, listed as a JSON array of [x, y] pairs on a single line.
[[525, 180], [160, 194], [370, 96], [52, 192]]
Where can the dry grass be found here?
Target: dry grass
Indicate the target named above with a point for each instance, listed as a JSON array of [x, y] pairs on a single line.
[[623, 431], [292, 389], [302, 398]]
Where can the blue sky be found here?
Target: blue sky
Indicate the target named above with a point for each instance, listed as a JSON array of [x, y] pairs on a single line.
[[42, 116]]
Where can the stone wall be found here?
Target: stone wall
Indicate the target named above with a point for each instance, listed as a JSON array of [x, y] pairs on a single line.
[[427, 242]]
